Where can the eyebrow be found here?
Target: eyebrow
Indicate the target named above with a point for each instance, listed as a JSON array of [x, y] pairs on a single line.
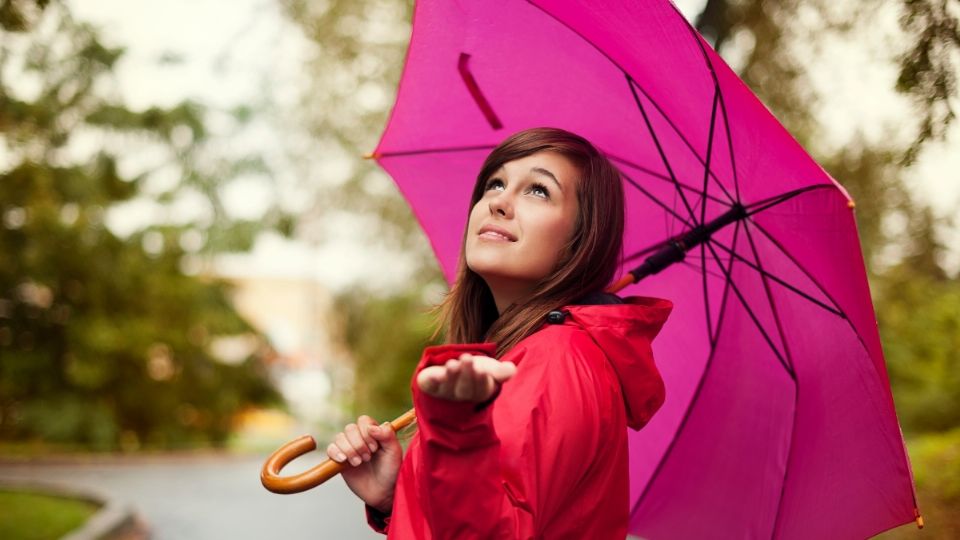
[[545, 172], [541, 171]]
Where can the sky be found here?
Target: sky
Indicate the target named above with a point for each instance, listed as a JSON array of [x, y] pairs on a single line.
[[231, 53]]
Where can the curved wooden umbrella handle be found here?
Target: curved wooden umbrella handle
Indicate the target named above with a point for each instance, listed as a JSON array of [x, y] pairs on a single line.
[[270, 473]]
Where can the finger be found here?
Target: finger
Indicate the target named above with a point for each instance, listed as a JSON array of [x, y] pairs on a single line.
[[347, 449], [501, 371], [430, 378], [384, 434], [353, 435], [453, 371], [466, 382], [334, 453], [365, 423], [453, 365], [504, 371]]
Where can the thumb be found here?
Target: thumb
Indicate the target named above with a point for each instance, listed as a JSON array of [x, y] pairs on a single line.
[[504, 371], [385, 435]]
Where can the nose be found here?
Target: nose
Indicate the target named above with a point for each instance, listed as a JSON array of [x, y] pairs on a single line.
[[501, 205]]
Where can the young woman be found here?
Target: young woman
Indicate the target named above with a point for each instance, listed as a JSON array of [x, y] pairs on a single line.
[[522, 413]]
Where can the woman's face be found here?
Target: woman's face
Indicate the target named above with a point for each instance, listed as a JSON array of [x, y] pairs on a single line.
[[526, 214]]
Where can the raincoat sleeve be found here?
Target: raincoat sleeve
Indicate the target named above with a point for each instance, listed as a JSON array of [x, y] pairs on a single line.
[[554, 418], [377, 520]]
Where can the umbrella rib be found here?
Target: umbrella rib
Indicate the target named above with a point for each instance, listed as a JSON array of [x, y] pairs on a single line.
[[733, 158], [696, 391], [400, 153], [781, 281], [764, 204], [688, 144], [665, 178], [754, 318], [656, 140], [766, 289], [813, 280], [706, 293], [796, 382], [652, 101], [723, 105], [663, 205], [727, 276], [786, 467], [853, 327], [706, 166], [699, 268]]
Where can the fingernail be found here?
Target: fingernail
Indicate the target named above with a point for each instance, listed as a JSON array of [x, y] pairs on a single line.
[[341, 457], [355, 460], [372, 447]]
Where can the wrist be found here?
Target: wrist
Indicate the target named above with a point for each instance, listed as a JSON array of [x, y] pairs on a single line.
[[384, 507]]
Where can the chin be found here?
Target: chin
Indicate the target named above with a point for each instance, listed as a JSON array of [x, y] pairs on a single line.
[[488, 270]]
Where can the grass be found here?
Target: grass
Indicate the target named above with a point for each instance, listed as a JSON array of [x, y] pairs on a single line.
[[33, 516]]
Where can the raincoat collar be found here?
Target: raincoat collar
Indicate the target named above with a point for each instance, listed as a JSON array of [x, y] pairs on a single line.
[[625, 332]]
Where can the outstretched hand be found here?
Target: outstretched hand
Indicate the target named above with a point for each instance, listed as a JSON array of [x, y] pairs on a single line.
[[469, 378]]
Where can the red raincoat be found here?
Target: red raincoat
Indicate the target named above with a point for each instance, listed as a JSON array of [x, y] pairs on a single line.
[[547, 458]]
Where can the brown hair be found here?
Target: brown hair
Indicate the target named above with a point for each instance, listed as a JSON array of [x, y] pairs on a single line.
[[587, 263]]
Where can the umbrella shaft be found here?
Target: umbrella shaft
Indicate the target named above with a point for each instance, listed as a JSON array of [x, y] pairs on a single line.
[[676, 248]]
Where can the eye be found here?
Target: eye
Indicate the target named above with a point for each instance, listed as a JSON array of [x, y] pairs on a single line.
[[493, 183], [540, 190]]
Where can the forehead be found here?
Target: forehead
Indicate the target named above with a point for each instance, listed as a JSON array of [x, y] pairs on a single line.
[[560, 166]]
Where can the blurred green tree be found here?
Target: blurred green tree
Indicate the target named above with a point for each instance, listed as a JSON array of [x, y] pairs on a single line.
[[359, 50], [105, 341], [386, 336]]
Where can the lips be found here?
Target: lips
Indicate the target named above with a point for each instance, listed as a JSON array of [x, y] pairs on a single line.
[[494, 231]]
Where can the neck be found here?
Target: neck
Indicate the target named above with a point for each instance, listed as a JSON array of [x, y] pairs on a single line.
[[506, 294]]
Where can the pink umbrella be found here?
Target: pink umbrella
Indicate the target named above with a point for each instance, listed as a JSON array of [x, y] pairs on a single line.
[[779, 420]]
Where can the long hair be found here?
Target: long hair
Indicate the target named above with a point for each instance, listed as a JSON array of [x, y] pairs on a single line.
[[587, 263]]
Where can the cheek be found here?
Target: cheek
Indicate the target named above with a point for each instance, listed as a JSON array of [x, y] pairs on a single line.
[[556, 228], [552, 235], [473, 220], [473, 224]]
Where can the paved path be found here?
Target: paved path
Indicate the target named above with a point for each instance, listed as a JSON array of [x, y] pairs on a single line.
[[210, 497]]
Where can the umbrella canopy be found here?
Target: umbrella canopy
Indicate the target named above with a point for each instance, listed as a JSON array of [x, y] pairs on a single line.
[[779, 420]]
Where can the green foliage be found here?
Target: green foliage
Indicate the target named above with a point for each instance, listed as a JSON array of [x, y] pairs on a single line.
[[928, 64], [936, 468], [33, 516], [920, 327], [361, 45], [928, 69], [104, 340], [935, 461], [386, 336]]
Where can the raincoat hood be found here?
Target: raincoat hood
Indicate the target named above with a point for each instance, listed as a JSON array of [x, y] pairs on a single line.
[[625, 331]]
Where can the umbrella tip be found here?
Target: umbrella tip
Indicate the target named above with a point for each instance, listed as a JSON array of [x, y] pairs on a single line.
[[918, 518], [851, 204], [371, 155]]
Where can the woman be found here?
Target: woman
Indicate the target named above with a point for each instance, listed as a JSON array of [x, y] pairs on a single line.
[[521, 414]]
